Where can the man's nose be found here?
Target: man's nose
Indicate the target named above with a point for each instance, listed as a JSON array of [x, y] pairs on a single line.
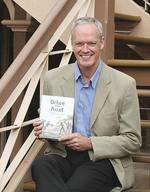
[[85, 47]]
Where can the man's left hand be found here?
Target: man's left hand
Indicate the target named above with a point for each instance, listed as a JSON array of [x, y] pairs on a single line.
[[76, 142]]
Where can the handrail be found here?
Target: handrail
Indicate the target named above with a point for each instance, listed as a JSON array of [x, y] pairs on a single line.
[[12, 127], [31, 50], [144, 124]]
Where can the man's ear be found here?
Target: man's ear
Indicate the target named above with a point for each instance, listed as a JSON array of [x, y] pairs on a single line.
[[102, 42], [102, 45]]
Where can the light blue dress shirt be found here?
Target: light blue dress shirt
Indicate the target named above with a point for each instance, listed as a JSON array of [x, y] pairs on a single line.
[[84, 96]]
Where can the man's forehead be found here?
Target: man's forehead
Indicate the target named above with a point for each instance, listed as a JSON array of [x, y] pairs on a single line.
[[85, 25], [85, 28]]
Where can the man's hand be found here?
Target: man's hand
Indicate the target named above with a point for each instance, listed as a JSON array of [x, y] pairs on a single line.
[[38, 125], [76, 142]]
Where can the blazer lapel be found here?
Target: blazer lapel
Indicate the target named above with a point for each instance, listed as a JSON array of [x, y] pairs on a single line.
[[67, 85], [102, 92]]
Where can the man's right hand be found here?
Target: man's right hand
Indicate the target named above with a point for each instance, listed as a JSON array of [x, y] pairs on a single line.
[[37, 125]]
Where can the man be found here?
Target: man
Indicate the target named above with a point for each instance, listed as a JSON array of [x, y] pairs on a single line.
[[96, 157]]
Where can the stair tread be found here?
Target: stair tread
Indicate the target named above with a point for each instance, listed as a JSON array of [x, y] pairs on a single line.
[[125, 17], [128, 62], [143, 157], [144, 93], [145, 123], [131, 39], [29, 186]]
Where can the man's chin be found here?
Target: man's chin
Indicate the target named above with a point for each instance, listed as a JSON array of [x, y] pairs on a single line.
[[85, 64]]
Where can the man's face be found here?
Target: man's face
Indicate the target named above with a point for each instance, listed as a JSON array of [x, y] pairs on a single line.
[[87, 45]]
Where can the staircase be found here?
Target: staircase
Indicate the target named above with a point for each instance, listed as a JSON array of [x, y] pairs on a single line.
[[130, 62], [131, 56], [137, 67]]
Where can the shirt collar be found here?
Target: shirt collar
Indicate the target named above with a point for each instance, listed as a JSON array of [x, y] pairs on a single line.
[[95, 76]]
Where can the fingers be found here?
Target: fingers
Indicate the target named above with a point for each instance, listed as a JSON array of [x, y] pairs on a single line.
[[72, 141], [68, 142], [69, 137], [76, 142], [37, 125], [74, 145]]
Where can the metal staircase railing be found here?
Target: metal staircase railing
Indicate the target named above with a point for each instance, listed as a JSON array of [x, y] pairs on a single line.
[[29, 80]]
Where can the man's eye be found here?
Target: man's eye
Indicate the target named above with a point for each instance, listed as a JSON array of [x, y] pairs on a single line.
[[91, 44], [79, 44]]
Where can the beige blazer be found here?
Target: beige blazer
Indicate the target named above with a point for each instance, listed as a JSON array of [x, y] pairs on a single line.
[[115, 119]]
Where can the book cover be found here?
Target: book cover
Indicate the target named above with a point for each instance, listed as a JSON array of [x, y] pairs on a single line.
[[56, 112]]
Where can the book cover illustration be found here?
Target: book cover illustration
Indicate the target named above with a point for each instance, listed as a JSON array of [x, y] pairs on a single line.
[[56, 112]]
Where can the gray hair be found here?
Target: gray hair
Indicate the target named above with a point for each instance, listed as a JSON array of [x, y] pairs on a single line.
[[87, 20]]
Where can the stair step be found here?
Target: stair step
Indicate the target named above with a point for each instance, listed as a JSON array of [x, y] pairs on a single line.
[[125, 23], [125, 17], [145, 124], [143, 92], [29, 186], [131, 39], [128, 63], [141, 157], [138, 69]]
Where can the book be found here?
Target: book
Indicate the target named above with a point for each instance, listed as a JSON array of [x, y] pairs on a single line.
[[56, 112]]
